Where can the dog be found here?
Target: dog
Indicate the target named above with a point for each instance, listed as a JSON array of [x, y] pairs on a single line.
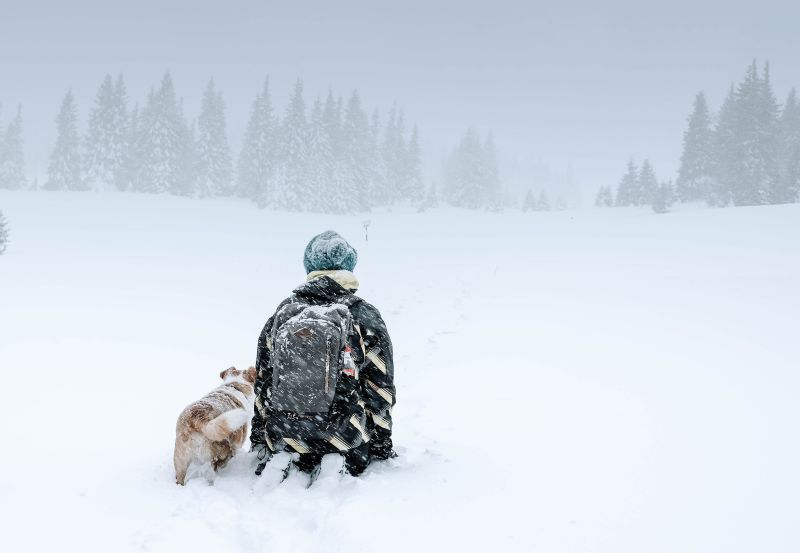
[[213, 429]]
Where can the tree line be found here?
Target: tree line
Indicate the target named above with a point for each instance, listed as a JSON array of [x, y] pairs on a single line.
[[746, 154], [332, 157]]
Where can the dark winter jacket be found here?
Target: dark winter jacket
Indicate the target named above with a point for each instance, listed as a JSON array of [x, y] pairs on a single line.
[[361, 410]]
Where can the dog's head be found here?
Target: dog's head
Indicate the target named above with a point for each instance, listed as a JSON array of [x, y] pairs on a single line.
[[233, 373]]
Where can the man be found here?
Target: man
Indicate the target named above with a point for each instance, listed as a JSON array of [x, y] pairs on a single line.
[[325, 369]]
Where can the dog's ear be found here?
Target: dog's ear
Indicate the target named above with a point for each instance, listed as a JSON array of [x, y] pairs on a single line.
[[226, 372], [250, 375]]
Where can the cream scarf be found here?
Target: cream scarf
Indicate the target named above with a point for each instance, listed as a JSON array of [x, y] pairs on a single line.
[[345, 279]]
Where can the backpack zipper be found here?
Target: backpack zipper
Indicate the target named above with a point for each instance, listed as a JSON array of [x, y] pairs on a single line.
[[328, 365]]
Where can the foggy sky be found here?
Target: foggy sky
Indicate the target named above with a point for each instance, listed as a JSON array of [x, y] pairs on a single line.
[[585, 83]]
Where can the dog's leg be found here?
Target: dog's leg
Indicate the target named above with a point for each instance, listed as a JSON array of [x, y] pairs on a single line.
[[181, 459], [221, 453]]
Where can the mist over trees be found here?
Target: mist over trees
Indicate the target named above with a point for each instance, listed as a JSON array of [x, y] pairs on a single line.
[[331, 157], [107, 140], [64, 171], [471, 176], [12, 156], [639, 186], [747, 154]]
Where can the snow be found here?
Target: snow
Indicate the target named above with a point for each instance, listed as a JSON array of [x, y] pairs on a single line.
[[602, 380]]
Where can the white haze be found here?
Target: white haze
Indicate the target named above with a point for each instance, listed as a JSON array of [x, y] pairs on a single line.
[[574, 87]]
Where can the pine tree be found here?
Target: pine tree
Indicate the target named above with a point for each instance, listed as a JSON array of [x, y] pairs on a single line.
[[3, 234], [663, 197], [753, 152], [106, 141], [787, 172], [355, 147], [561, 204], [698, 150], [291, 194], [256, 168], [377, 177], [605, 197], [64, 171], [322, 196], [768, 126], [215, 173], [529, 203], [647, 184], [120, 150], [12, 156], [416, 188], [393, 154], [491, 178], [431, 198], [333, 189], [544, 203], [187, 182], [726, 153], [627, 191], [471, 179], [161, 133], [130, 158]]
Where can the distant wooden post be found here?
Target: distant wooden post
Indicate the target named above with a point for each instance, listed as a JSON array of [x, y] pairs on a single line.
[[366, 223]]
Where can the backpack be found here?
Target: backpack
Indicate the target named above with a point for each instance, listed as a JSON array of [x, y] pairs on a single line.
[[308, 345]]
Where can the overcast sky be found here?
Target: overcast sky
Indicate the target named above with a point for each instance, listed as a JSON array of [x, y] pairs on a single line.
[[582, 83]]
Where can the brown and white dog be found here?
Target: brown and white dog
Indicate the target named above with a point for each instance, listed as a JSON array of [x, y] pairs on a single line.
[[213, 429]]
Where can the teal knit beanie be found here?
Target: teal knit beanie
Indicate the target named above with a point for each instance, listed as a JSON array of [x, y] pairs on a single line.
[[328, 251]]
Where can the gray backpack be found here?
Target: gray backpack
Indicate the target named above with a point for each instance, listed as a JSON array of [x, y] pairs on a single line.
[[308, 342]]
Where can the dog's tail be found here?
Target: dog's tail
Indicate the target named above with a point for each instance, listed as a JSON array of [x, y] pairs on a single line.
[[224, 425]]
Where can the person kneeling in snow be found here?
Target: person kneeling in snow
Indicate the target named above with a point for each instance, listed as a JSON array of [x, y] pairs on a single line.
[[325, 369]]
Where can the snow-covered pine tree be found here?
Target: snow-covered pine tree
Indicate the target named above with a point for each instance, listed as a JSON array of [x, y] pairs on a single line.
[[756, 115], [413, 169], [64, 171], [257, 159], [12, 155], [786, 185], [492, 194], [647, 184], [769, 113], [215, 173], [561, 204], [3, 234], [130, 157], [543, 204], [471, 178], [186, 182], [698, 150], [393, 153], [121, 150], [160, 141], [377, 174], [604, 198], [106, 140], [332, 188], [726, 153], [663, 197], [382, 193], [628, 188], [355, 145], [529, 202], [290, 190], [431, 198], [322, 196]]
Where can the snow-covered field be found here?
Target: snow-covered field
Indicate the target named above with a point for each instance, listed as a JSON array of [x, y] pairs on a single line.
[[601, 381]]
